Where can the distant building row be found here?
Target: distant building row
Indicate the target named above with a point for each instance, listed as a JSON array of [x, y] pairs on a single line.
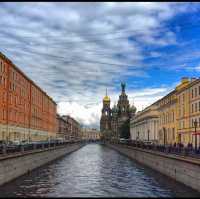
[[171, 119], [90, 134], [67, 127]]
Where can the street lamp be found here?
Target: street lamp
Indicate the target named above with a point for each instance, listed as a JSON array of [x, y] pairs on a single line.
[[148, 134], [138, 136], [195, 127]]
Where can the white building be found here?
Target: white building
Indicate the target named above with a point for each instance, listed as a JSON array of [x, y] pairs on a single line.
[[144, 125]]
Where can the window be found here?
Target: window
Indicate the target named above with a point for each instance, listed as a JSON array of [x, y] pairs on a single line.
[[4, 114], [192, 93], [199, 90], [173, 133], [195, 92], [2, 69], [199, 105], [192, 108], [4, 97], [11, 99], [195, 107], [10, 86], [16, 101]]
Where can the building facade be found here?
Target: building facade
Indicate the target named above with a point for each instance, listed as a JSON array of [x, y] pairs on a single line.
[[62, 128], [26, 111], [188, 106], [144, 125], [167, 130], [90, 134], [74, 127], [178, 116], [114, 123]]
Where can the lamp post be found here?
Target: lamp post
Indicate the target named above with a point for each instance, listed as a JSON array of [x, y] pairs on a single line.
[[138, 137], [195, 127]]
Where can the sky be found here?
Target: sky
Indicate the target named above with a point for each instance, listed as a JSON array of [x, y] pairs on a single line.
[[74, 51]]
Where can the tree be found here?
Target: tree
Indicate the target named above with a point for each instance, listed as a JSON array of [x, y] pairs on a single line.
[[125, 130]]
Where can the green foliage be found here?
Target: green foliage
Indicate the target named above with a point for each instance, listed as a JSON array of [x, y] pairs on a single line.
[[125, 130]]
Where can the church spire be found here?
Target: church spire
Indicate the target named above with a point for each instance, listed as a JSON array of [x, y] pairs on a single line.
[[123, 85], [106, 98]]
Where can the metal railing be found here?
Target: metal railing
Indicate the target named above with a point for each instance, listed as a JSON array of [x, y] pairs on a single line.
[[178, 149], [6, 149]]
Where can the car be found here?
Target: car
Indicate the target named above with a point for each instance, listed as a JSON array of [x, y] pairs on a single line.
[[16, 143], [2, 142], [148, 142], [24, 142], [124, 141]]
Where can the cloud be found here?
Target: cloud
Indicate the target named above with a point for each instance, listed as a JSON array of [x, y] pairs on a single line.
[[89, 113], [74, 51]]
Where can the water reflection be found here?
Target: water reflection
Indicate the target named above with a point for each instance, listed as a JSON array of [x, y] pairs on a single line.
[[95, 171]]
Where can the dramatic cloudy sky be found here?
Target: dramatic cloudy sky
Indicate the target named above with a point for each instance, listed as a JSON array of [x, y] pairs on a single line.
[[74, 51]]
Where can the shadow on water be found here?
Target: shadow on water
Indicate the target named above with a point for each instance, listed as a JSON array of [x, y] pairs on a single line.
[[95, 171]]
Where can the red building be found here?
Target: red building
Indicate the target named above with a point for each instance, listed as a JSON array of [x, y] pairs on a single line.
[[26, 111]]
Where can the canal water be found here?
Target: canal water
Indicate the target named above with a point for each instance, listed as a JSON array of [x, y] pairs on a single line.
[[95, 171]]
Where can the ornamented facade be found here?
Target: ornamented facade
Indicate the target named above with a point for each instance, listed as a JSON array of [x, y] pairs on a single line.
[[144, 125], [115, 122]]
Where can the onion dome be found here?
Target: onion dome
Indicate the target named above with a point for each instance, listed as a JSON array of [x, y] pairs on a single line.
[[115, 109], [133, 109], [106, 98]]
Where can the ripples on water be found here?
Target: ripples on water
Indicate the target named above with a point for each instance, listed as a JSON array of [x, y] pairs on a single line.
[[95, 171]]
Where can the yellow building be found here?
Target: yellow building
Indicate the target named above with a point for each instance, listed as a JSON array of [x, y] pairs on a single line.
[[90, 134], [188, 110], [178, 112], [167, 119]]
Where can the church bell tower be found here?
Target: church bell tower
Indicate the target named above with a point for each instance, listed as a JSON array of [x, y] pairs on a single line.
[[105, 123]]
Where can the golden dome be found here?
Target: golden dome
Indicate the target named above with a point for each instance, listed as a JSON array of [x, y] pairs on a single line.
[[106, 98]]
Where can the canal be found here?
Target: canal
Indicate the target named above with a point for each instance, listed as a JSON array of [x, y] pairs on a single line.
[[95, 171]]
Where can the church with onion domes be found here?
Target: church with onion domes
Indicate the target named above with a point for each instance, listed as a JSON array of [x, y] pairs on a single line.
[[115, 121]]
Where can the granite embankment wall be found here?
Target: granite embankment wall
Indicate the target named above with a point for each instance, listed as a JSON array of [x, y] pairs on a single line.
[[183, 169], [16, 165]]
